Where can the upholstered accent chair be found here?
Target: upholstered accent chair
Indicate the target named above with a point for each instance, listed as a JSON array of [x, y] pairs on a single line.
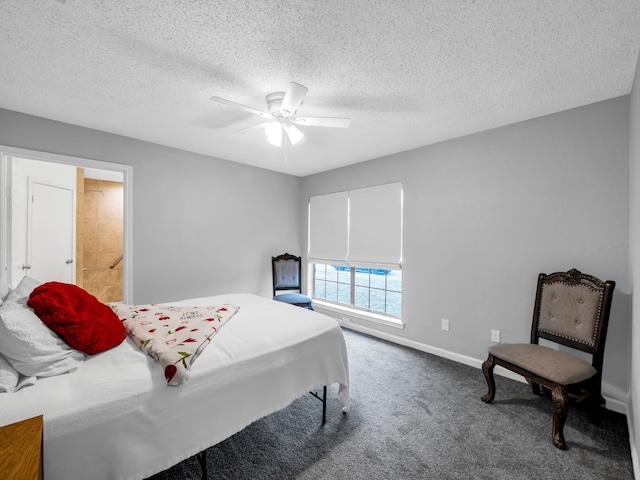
[[287, 273], [571, 309]]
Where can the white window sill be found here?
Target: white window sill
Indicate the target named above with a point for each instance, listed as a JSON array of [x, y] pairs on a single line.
[[351, 312]]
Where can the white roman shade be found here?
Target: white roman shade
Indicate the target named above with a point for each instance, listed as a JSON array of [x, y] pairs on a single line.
[[375, 226], [360, 227], [328, 228]]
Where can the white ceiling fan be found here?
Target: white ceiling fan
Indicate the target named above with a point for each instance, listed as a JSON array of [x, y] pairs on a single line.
[[282, 117]]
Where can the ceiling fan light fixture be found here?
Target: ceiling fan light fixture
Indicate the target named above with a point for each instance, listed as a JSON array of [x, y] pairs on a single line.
[[273, 130], [295, 135]]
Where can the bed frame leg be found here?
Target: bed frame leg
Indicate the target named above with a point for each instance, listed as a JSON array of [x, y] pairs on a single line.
[[202, 460], [324, 405], [323, 399]]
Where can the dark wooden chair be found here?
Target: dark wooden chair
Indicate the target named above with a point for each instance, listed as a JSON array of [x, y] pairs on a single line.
[[287, 273], [571, 309]]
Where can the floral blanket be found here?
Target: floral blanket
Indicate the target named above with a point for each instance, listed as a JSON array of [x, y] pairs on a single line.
[[174, 335]]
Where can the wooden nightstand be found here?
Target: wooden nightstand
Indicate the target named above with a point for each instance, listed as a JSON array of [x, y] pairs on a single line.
[[21, 450]]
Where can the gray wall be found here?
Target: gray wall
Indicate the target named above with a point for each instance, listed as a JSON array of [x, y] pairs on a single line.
[[634, 249], [484, 214], [201, 225]]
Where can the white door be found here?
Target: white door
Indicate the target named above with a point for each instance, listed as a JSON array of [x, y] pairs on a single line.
[[50, 233]]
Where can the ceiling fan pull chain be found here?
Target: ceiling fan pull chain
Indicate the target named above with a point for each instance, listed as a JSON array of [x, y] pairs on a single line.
[[285, 138]]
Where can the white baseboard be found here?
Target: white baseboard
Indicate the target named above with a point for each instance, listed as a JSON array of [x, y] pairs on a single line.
[[612, 403]]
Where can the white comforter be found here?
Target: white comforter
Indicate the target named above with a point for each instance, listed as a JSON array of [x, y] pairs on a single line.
[[116, 418]]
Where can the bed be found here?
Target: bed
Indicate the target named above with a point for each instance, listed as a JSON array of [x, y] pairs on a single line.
[[116, 417]]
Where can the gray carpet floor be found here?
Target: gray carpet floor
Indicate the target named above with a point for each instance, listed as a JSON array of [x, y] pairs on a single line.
[[418, 416]]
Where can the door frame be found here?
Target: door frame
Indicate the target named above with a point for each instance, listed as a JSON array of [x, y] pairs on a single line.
[[127, 180]]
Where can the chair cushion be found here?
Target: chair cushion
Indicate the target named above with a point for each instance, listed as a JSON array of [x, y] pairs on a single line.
[[559, 367], [293, 298]]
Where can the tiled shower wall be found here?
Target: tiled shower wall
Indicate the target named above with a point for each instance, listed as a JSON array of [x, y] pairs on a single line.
[[102, 238]]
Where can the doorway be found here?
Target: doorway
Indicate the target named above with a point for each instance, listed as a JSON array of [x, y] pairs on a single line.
[[7, 225], [100, 239]]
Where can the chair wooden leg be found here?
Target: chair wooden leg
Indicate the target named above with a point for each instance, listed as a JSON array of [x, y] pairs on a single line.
[[596, 401], [560, 400], [487, 369], [535, 386]]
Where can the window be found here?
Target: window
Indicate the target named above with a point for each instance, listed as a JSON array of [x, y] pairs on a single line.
[[355, 244], [370, 289]]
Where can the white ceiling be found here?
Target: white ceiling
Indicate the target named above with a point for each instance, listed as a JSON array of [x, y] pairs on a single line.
[[407, 73]]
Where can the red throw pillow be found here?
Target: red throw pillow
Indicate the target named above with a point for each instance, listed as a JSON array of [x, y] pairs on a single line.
[[78, 317]]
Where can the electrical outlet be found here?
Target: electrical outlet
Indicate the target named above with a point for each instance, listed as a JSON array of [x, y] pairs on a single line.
[[495, 336], [445, 325]]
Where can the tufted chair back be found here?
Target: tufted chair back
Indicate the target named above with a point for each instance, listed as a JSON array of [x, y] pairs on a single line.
[[572, 309], [286, 272]]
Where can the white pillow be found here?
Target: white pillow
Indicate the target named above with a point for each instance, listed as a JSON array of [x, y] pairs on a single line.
[[10, 379], [5, 289], [8, 376], [27, 343], [23, 290]]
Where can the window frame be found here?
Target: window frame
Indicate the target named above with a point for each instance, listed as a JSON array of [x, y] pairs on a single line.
[[352, 309]]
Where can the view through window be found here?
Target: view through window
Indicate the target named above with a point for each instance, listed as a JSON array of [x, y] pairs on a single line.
[[370, 289]]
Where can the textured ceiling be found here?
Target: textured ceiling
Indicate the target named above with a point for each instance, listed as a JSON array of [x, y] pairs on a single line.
[[407, 73]]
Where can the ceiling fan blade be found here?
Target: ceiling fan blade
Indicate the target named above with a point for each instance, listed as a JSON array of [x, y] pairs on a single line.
[[229, 103], [252, 127], [322, 122], [292, 98]]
